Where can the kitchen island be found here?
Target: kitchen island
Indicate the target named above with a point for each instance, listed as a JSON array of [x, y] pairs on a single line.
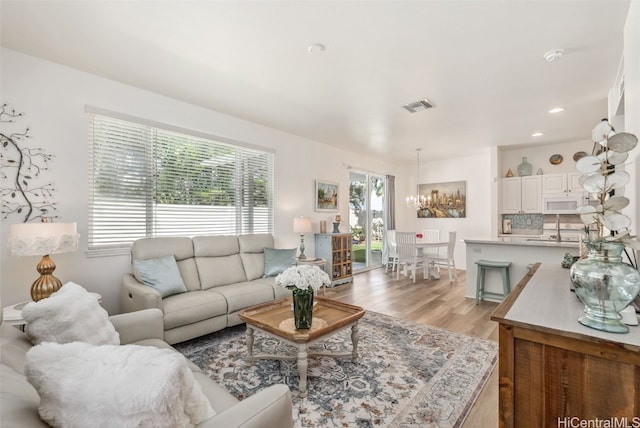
[[521, 252], [553, 371]]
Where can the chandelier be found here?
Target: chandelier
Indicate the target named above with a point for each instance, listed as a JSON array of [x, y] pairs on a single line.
[[416, 201]]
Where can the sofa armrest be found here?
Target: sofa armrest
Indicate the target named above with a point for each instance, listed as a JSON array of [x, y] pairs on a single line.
[[136, 296], [270, 407], [139, 325]]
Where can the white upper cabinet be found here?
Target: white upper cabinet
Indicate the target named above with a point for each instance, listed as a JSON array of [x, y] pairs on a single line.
[[511, 195], [561, 183], [522, 195], [573, 182]]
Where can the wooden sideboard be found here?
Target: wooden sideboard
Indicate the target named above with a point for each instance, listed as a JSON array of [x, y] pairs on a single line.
[[555, 372]]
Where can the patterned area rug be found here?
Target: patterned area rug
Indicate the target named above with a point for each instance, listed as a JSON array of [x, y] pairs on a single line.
[[407, 374]]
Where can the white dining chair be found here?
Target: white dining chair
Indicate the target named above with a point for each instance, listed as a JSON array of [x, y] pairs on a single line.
[[431, 235], [448, 261], [392, 249], [408, 255]]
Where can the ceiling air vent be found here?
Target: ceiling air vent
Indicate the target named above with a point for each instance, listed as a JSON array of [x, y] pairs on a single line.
[[418, 106]]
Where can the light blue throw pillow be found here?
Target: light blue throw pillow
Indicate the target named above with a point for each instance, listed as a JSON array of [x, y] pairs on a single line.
[[162, 274], [277, 260]]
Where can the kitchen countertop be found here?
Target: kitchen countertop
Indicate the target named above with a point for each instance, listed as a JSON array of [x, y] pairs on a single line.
[[522, 241]]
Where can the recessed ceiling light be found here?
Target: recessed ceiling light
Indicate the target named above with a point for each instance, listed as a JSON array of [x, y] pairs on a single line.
[[316, 48], [416, 106], [553, 54], [556, 110], [537, 134]]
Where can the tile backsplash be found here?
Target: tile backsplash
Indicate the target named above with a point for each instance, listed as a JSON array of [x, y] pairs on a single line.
[[532, 224], [525, 224]]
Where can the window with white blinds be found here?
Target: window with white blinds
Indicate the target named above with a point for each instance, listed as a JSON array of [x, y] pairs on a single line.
[[149, 181]]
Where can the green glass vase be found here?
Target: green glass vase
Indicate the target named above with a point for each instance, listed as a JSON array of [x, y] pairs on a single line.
[[303, 308], [605, 285]]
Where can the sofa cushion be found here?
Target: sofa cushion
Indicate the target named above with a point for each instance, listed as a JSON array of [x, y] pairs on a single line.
[[18, 401], [189, 273], [82, 385], [253, 265], [70, 314], [252, 253], [276, 260], [180, 247], [221, 270], [278, 292], [13, 347], [255, 243], [219, 398], [245, 294], [150, 248], [188, 308], [161, 273], [215, 246]]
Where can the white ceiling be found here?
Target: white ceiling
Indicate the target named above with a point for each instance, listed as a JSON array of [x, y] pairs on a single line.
[[480, 62]]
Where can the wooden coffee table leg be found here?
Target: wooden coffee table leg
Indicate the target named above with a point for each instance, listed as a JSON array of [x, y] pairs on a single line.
[[303, 364], [249, 339], [354, 340]]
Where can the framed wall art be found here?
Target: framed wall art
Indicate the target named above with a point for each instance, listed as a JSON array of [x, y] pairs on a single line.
[[443, 200], [326, 196]]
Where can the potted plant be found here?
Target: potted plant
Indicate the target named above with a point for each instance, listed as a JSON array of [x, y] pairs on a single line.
[[602, 281], [303, 281]]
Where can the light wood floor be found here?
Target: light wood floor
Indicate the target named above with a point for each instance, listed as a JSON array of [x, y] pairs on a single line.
[[432, 302]]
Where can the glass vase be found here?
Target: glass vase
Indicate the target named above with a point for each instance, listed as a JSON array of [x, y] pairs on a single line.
[[605, 285], [525, 168], [303, 308]]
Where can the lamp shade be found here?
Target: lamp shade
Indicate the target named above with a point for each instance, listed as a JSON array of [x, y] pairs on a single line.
[[302, 225], [39, 239]]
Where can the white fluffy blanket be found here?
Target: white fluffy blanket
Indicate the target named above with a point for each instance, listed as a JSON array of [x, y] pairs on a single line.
[[82, 385], [68, 315]]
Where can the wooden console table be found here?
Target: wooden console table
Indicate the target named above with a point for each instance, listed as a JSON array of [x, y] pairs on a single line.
[[554, 371]]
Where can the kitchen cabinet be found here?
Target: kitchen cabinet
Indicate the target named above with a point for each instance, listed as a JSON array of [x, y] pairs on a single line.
[[553, 370], [522, 195], [562, 193], [335, 248], [562, 183]]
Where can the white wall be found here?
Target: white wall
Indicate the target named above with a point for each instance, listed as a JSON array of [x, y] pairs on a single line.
[[538, 156], [479, 174], [632, 107], [53, 99]]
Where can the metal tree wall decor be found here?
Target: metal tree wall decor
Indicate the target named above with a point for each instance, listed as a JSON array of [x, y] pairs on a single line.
[[22, 190]]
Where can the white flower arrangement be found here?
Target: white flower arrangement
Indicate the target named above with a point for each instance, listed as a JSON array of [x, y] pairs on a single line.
[[601, 177], [303, 277]]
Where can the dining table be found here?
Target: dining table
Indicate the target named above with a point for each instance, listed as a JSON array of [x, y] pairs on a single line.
[[421, 245]]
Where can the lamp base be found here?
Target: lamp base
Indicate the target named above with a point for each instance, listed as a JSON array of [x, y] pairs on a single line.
[[47, 284], [302, 256]]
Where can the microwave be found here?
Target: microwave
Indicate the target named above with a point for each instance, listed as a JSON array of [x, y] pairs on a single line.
[[563, 203]]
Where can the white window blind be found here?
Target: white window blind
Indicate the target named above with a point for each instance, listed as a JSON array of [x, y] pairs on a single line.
[[148, 181]]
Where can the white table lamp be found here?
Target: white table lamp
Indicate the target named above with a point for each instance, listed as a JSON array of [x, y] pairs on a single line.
[[43, 239], [302, 225]]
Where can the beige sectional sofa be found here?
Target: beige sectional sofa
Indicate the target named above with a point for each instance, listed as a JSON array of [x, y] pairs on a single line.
[[271, 407], [222, 275]]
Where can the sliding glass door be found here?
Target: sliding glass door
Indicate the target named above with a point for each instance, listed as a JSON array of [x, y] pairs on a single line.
[[366, 218]]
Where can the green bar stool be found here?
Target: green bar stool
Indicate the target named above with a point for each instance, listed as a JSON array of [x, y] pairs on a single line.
[[483, 265]]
